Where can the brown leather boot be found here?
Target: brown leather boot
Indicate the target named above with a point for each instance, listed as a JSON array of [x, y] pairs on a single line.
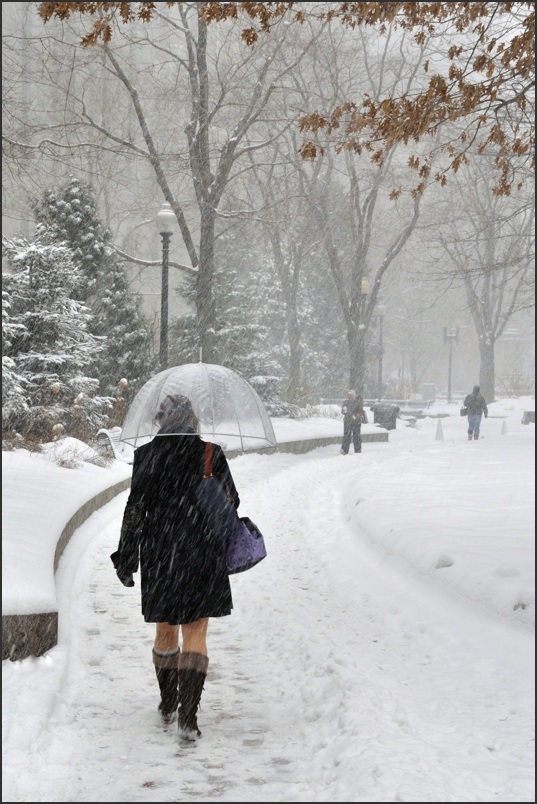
[[192, 674], [168, 679]]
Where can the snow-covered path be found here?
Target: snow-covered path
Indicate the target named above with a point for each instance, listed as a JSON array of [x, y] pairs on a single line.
[[342, 674]]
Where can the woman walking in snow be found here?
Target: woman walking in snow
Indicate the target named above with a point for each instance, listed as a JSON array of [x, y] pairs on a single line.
[[184, 578]]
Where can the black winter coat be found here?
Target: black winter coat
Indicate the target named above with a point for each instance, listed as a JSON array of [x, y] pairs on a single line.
[[353, 412], [475, 404], [182, 563]]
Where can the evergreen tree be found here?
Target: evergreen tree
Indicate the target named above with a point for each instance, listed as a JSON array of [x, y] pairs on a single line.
[[325, 355], [241, 339], [243, 336], [47, 346], [183, 333], [69, 216], [14, 401]]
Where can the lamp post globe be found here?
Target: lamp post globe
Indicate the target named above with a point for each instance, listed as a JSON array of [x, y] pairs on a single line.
[[165, 225], [166, 220]]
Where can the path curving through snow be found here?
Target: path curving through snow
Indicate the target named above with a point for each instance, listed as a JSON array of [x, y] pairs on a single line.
[[342, 674]]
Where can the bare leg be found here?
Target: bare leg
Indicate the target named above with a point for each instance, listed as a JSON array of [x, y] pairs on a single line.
[[166, 638], [195, 636]]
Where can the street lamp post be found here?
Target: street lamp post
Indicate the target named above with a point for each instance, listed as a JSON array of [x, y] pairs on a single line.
[[165, 226], [450, 338], [365, 290], [381, 310]]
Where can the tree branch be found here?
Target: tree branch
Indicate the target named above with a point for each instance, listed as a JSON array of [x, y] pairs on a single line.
[[150, 263]]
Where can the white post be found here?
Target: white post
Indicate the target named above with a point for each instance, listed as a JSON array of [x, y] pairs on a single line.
[[439, 433]]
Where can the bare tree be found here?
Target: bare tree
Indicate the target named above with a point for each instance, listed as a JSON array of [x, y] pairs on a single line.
[[345, 192], [485, 80], [216, 102], [182, 110], [491, 248]]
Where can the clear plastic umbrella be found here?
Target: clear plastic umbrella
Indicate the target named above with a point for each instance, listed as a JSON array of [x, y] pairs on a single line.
[[229, 410]]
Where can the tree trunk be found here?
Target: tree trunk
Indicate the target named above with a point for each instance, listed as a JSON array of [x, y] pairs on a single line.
[[356, 339], [205, 303], [288, 274], [295, 355], [486, 370]]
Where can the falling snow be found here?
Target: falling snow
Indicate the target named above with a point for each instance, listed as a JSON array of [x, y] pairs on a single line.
[[383, 651]]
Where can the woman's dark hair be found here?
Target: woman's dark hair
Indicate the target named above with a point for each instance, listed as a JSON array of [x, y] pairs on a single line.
[[176, 411]]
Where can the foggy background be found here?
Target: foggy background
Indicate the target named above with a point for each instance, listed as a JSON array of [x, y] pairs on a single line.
[[301, 254]]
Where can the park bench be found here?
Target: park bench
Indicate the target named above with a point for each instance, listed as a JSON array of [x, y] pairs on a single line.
[[108, 441]]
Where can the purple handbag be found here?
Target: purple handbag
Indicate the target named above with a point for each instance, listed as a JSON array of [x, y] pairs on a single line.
[[245, 547]]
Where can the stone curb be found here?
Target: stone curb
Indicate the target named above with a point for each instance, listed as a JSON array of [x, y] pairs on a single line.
[[307, 444], [26, 635]]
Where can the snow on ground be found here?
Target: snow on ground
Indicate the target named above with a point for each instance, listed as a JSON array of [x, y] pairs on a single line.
[[384, 650]]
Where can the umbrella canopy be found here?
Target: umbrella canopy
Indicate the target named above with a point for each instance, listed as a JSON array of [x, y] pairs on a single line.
[[230, 412]]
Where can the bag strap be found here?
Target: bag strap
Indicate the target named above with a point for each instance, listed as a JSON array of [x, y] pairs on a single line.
[[208, 464], [208, 469]]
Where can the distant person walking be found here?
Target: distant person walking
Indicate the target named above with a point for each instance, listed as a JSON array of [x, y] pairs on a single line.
[[353, 417], [184, 577], [476, 407]]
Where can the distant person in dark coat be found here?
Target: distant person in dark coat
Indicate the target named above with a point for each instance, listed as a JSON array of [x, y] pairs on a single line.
[[476, 407], [353, 417], [184, 578]]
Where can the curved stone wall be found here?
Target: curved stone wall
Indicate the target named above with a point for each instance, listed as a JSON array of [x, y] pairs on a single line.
[[26, 635]]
